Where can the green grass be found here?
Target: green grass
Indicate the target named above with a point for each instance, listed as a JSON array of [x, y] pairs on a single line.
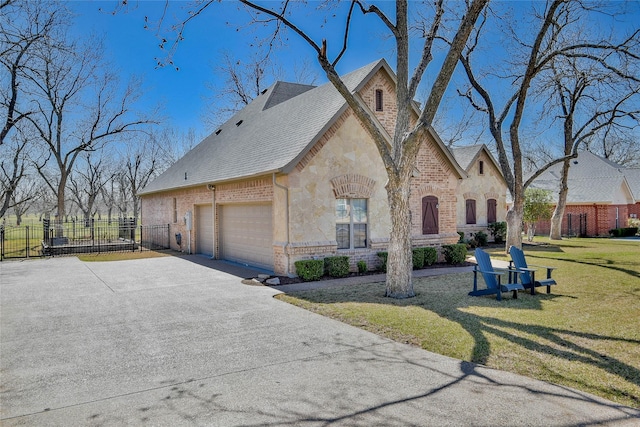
[[585, 334]]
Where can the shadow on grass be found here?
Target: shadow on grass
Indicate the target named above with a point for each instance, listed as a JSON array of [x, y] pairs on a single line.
[[447, 298]]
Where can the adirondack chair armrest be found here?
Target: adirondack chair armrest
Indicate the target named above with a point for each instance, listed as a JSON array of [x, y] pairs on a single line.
[[526, 269], [545, 266], [495, 273]]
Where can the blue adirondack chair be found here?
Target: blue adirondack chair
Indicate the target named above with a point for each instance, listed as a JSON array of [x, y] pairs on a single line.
[[491, 278], [528, 275]]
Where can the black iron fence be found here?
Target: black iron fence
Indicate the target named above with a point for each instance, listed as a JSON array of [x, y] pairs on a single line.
[[83, 236]]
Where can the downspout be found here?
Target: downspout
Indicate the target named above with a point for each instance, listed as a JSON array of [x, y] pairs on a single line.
[[286, 195], [212, 188]]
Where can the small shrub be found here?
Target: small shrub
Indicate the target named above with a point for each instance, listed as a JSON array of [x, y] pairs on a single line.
[[430, 256], [498, 231], [461, 234], [482, 238], [454, 254], [418, 258], [383, 261], [310, 269], [337, 266], [362, 266], [623, 232]]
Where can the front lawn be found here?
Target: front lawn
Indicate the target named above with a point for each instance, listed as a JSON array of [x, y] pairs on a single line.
[[585, 334]]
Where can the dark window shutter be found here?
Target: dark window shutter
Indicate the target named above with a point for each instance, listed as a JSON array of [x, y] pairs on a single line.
[[491, 210], [430, 215], [471, 211]]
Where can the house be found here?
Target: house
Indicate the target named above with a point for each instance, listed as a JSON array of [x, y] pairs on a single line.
[[482, 197], [295, 176], [602, 195]]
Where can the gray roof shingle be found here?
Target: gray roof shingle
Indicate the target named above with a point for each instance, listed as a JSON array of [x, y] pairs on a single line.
[[268, 135]]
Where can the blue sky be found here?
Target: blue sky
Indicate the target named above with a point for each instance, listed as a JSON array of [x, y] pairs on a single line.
[[223, 27], [184, 93]]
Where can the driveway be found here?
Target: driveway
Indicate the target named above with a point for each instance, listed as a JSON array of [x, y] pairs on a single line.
[[171, 342]]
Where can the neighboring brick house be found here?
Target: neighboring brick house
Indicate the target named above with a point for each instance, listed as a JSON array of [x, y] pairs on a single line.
[[482, 197], [602, 195], [295, 176]]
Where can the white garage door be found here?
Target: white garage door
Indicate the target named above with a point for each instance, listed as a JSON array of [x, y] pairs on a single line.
[[204, 229], [246, 234]]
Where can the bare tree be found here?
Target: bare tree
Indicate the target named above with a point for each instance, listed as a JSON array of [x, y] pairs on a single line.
[[399, 157], [593, 97], [554, 38], [139, 166], [23, 29], [13, 168], [78, 107], [86, 184]]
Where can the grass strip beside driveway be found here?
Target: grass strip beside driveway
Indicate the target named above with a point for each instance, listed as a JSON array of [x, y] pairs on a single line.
[[585, 334]]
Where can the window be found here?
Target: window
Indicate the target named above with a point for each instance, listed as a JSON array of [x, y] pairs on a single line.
[[351, 223], [471, 211], [481, 167], [378, 99], [175, 210], [491, 210], [430, 215]]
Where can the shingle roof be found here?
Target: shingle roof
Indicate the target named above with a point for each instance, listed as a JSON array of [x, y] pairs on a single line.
[[592, 179], [633, 178], [268, 135], [271, 134]]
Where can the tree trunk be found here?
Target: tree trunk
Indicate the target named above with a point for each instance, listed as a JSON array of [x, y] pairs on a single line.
[[514, 224], [556, 219], [400, 261]]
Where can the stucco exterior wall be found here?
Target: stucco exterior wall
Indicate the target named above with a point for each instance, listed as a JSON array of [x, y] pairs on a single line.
[[489, 185], [345, 155]]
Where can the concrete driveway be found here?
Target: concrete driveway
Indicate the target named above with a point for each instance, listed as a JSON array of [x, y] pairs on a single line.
[[171, 342]]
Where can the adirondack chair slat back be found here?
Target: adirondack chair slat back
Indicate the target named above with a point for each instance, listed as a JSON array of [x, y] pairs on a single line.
[[517, 255], [484, 264]]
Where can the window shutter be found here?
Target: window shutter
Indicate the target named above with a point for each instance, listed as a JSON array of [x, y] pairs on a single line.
[[491, 210], [471, 211]]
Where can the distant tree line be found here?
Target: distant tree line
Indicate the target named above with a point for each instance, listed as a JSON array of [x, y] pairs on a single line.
[[71, 142]]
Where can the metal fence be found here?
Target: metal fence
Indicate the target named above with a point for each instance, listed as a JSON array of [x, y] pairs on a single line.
[[84, 236]]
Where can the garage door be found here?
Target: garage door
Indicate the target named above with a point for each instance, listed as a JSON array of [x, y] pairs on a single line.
[[204, 229], [246, 234]]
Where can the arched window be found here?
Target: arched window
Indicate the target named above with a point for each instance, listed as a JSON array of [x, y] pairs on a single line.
[[430, 215]]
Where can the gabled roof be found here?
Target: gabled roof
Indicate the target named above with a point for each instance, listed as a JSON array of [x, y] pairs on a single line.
[[466, 156], [269, 135], [591, 179], [633, 178]]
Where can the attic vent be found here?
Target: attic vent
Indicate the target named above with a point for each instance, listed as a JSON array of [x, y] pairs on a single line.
[[575, 162], [218, 131], [263, 92], [239, 123]]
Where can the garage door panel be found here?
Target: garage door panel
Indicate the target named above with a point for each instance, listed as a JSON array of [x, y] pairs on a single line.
[[204, 229], [246, 234]]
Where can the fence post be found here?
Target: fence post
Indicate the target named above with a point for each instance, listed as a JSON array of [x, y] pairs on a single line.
[[1, 242], [168, 236], [27, 240]]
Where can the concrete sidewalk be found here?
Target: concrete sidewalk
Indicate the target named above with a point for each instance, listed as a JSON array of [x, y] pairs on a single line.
[[176, 341]]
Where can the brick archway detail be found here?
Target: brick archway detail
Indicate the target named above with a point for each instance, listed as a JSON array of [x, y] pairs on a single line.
[[352, 186]]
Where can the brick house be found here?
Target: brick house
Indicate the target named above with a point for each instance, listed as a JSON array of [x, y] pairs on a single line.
[[482, 197], [602, 195], [295, 176]]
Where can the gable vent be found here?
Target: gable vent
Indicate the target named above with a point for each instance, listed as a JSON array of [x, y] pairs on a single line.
[[218, 131]]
